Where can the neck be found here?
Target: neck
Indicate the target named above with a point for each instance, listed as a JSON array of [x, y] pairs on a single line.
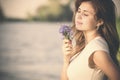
[[89, 35]]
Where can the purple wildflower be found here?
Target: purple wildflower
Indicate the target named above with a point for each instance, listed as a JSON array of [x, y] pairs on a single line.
[[65, 31]]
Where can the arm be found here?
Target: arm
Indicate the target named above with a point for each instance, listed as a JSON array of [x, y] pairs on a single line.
[[67, 49], [104, 61], [64, 72]]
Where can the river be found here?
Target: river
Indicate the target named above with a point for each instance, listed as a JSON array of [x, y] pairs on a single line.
[[30, 51]]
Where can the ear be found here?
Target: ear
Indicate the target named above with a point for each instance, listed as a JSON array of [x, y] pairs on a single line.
[[100, 22]]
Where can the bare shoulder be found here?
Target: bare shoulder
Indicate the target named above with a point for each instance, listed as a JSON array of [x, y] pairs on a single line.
[[101, 56], [103, 60]]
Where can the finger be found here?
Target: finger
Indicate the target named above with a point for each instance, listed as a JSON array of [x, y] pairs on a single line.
[[68, 49], [65, 41], [67, 46]]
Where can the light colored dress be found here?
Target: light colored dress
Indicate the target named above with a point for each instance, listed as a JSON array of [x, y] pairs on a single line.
[[79, 67]]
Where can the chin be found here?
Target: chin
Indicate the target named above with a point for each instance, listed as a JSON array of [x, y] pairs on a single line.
[[78, 28]]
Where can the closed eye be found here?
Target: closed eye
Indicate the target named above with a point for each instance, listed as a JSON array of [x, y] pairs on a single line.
[[85, 14]]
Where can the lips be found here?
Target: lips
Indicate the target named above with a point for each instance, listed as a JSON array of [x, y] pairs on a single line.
[[79, 23]]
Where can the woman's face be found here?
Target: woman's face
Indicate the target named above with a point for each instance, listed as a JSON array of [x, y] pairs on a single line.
[[85, 17]]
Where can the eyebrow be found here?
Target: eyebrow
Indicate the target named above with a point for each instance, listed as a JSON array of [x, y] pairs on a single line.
[[86, 11]]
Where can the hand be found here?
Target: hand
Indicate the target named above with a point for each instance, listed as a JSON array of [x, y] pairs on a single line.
[[67, 49]]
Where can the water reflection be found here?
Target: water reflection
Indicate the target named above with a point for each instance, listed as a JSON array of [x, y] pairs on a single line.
[[30, 51]]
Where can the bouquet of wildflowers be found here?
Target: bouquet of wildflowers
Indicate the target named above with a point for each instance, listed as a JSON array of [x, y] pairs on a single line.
[[66, 32]]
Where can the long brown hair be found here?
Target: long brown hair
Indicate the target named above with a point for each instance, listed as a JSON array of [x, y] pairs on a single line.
[[105, 10]]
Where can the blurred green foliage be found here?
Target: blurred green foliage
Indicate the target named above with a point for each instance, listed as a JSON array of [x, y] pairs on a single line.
[[118, 25], [118, 56], [53, 12], [118, 29], [2, 17]]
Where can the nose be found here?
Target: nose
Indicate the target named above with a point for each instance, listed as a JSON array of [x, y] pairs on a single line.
[[79, 16]]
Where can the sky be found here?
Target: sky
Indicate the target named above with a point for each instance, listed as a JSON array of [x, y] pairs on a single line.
[[20, 8]]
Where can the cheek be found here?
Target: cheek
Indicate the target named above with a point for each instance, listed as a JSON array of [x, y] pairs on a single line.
[[90, 23]]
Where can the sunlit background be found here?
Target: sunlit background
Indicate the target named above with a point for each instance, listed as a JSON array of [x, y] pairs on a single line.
[[30, 44]]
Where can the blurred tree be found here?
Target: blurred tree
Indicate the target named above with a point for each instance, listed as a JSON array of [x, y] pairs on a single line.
[[118, 25], [29, 16], [118, 56], [2, 17], [118, 29], [55, 11], [66, 14]]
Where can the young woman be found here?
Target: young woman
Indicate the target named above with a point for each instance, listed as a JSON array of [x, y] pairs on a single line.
[[93, 57]]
